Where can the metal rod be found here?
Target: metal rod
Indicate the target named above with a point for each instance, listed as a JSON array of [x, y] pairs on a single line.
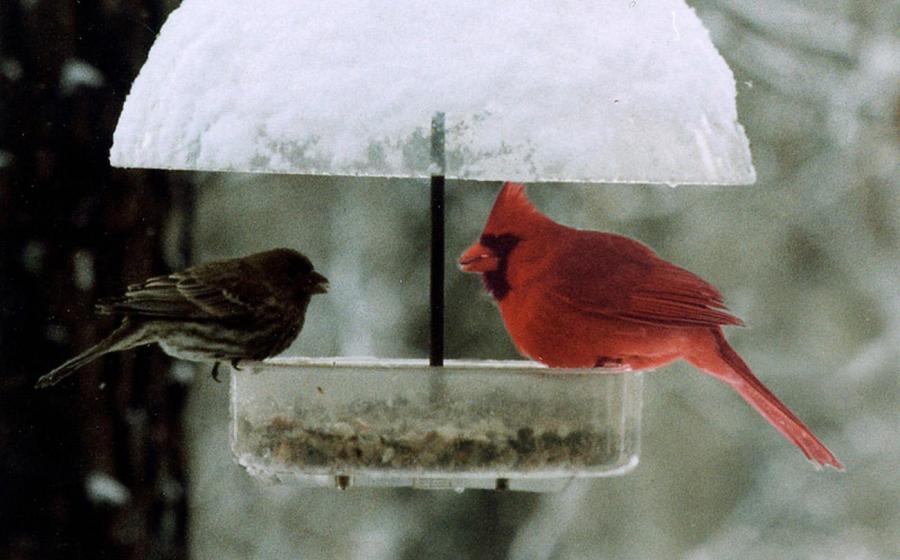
[[437, 270], [436, 355]]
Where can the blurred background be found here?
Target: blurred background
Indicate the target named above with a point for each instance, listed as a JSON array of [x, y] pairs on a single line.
[[131, 460]]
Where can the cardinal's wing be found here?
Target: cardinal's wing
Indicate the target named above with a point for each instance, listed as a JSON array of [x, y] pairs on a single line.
[[212, 291], [618, 277]]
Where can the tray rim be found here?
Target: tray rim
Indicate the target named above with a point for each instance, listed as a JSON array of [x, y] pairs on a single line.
[[421, 365]]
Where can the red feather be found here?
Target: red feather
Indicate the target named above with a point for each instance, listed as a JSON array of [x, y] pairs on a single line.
[[574, 298]]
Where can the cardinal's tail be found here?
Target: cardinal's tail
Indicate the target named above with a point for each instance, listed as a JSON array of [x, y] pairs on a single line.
[[125, 337], [728, 366]]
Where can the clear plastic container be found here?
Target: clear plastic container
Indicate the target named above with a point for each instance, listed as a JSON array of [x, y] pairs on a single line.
[[339, 422]]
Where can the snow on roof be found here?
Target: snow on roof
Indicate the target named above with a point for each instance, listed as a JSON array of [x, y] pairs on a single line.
[[574, 90]]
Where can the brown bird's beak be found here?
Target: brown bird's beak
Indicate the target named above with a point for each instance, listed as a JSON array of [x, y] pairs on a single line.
[[478, 258], [318, 283]]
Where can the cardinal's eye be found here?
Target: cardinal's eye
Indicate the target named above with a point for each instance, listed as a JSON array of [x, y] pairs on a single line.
[[500, 244]]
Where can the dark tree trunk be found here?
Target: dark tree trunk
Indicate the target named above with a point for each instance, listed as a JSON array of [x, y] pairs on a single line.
[[94, 467]]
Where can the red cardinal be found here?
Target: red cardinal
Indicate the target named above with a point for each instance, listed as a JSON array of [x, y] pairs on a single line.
[[578, 299]]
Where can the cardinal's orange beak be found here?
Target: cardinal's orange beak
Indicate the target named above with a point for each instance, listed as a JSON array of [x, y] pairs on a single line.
[[478, 258]]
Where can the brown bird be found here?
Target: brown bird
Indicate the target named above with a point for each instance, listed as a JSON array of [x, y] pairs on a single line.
[[248, 308]]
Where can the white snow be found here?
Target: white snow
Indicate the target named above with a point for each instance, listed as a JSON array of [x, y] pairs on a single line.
[[57, 333], [83, 268], [183, 372], [576, 90], [11, 69], [104, 489], [33, 255], [77, 74]]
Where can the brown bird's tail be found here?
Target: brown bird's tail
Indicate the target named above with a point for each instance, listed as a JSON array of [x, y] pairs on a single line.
[[728, 366], [126, 336]]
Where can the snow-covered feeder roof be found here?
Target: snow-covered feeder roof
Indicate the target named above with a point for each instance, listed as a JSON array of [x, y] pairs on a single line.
[[533, 91]]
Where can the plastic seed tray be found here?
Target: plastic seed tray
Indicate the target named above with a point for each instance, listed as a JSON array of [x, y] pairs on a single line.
[[342, 422]]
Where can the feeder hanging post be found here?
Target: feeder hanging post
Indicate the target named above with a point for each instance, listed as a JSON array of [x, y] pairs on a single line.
[[436, 356]]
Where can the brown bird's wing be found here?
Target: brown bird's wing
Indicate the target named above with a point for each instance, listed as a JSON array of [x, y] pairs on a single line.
[[210, 291], [618, 277], [230, 288], [156, 297]]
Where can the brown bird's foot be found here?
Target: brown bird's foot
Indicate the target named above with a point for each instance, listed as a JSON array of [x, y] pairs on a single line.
[[215, 372], [234, 364]]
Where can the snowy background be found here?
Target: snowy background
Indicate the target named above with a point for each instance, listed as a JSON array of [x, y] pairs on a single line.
[[808, 257]]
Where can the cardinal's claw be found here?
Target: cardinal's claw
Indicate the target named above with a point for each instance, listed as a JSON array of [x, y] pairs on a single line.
[[215, 372], [605, 362], [612, 364], [234, 364]]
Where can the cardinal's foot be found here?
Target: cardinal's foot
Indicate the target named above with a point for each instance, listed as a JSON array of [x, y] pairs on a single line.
[[607, 362], [612, 364], [215, 371], [234, 364]]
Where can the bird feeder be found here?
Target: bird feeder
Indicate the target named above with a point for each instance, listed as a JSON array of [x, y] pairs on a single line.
[[625, 92]]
